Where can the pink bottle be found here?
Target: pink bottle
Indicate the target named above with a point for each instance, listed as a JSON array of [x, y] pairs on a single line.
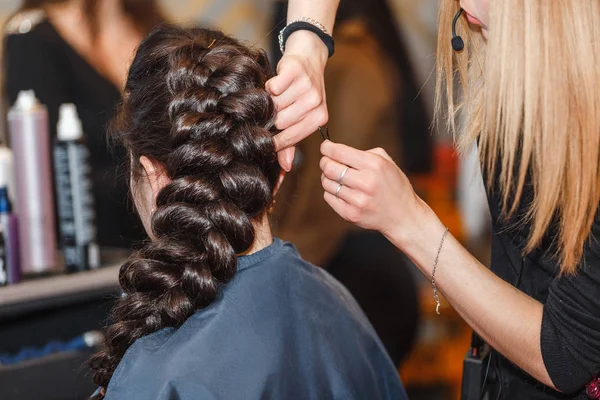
[[30, 141]]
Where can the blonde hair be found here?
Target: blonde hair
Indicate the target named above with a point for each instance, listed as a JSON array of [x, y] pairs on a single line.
[[531, 99]]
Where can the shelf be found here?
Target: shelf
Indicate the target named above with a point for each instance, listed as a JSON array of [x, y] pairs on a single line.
[[56, 291]]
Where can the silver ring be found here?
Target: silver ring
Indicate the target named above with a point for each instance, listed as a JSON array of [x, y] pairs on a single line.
[[337, 191], [342, 175]]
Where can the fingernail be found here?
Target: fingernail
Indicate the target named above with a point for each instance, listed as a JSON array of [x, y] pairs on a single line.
[[290, 157]]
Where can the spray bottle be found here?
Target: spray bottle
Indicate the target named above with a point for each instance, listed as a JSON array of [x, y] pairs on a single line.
[[74, 193], [30, 142], [10, 228], [7, 171]]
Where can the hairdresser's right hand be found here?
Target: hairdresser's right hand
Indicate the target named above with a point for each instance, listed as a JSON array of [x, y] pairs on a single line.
[[298, 91], [374, 192]]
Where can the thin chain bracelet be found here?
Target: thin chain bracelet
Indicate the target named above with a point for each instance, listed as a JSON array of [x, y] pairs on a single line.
[[435, 263]]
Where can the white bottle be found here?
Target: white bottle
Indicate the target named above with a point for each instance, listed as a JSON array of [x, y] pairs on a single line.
[[74, 193], [7, 171]]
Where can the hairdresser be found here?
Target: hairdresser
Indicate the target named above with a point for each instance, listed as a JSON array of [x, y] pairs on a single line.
[[78, 51], [531, 104]]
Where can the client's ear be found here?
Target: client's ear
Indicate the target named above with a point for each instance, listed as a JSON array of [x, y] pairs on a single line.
[[279, 181], [155, 174]]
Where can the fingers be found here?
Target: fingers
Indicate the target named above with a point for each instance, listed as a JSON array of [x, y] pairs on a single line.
[[294, 134], [287, 72], [298, 88], [298, 110], [381, 152], [333, 170], [347, 155], [300, 102], [343, 192], [343, 209], [286, 158]]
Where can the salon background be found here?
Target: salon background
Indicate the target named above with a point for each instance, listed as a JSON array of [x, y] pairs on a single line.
[[430, 360]]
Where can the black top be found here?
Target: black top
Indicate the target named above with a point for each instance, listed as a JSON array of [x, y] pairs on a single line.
[[281, 329], [570, 336], [43, 61]]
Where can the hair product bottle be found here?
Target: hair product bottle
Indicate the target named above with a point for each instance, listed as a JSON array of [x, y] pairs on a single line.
[[3, 265], [10, 230], [7, 171], [74, 193], [30, 142]]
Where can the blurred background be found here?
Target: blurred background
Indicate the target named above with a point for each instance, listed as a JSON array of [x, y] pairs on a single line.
[[380, 94]]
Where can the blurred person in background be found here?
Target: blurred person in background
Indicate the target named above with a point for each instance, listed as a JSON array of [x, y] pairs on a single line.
[[78, 51], [365, 86]]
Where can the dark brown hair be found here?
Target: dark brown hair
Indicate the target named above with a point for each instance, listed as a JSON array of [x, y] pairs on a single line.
[[195, 103], [146, 14]]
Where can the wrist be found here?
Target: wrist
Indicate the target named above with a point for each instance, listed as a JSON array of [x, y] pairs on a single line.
[[309, 45], [418, 235]]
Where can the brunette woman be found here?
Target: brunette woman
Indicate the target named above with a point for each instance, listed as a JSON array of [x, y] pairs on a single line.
[[213, 307]]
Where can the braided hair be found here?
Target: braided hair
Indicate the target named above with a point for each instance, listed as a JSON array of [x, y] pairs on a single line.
[[195, 103]]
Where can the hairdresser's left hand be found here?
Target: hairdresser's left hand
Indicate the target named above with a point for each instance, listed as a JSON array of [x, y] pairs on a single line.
[[298, 91], [375, 194]]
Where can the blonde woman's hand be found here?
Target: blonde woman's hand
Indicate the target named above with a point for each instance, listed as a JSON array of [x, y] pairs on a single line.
[[298, 92], [375, 193]]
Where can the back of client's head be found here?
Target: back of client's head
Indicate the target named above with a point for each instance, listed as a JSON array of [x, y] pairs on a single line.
[[195, 107]]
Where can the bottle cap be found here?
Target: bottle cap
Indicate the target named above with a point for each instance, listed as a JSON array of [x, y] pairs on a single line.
[[26, 101], [69, 124]]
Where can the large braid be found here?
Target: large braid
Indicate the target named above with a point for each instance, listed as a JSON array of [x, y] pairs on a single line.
[[195, 102]]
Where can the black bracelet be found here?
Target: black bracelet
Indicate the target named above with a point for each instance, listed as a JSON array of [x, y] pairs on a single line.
[[305, 26]]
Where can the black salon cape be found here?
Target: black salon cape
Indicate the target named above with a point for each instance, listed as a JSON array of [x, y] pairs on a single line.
[[282, 329]]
